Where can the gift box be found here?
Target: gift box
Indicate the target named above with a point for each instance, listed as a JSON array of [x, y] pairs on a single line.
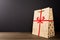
[[43, 23]]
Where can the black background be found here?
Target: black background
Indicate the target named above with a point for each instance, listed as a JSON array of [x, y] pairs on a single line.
[[17, 15]]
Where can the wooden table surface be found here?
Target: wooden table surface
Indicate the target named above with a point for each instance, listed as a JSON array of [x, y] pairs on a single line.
[[24, 36]]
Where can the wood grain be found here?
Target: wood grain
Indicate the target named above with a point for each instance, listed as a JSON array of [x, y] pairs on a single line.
[[24, 36]]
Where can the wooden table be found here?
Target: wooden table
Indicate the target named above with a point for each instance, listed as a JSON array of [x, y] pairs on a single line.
[[24, 36]]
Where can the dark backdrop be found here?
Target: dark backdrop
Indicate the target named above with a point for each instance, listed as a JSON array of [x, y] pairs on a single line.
[[17, 15]]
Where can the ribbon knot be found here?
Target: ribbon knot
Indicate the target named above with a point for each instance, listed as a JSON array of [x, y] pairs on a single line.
[[40, 20]]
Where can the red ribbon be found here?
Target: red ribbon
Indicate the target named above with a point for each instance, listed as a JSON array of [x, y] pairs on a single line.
[[40, 20]]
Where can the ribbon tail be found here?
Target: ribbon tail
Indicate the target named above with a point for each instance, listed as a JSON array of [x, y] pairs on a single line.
[[39, 30]]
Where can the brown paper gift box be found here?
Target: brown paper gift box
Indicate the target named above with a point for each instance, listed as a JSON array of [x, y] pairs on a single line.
[[43, 24]]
